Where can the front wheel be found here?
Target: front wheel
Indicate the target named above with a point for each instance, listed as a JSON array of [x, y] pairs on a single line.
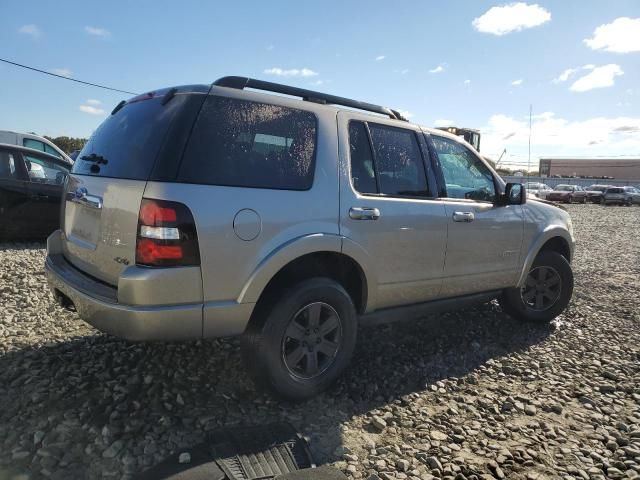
[[300, 345], [546, 292]]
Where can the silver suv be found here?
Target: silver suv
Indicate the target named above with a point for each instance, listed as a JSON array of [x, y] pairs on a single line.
[[209, 211]]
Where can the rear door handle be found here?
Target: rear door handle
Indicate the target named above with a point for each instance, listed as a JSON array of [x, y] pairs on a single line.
[[364, 213], [463, 217]]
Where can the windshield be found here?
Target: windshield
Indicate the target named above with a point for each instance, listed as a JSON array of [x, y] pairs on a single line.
[[565, 188]]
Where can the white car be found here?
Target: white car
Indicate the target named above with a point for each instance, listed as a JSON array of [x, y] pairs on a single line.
[[36, 142], [538, 190], [621, 196]]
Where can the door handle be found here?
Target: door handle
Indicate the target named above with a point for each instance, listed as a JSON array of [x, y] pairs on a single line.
[[364, 213], [463, 217]]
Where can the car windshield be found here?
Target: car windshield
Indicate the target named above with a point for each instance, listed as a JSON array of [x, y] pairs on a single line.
[[565, 188], [597, 188]]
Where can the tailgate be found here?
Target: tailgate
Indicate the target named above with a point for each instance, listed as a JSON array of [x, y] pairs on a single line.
[[100, 223]]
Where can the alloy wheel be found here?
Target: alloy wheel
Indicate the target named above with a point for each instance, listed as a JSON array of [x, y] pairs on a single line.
[[542, 288], [312, 340]]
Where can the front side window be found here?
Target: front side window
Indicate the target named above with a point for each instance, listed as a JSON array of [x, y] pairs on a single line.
[[464, 174], [7, 166], [44, 171], [51, 151], [249, 144]]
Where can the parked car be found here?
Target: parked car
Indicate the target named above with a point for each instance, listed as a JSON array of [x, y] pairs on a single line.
[[621, 196], [568, 194], [35, 142], [595, 193], [290, 222], [30, 192], [539, 190]]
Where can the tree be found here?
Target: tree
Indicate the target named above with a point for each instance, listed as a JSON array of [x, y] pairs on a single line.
[[68, 144]]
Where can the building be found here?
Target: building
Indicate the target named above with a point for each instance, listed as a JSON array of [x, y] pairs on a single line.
[[620, 169]]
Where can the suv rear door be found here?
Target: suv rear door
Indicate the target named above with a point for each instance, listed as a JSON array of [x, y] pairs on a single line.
[[484, 239], [13, 192], [107, 182], [387, 207]]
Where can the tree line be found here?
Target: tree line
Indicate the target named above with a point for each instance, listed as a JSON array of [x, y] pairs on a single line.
[[68, 144]]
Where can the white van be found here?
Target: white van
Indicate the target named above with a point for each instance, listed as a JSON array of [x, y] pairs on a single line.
[[36, 142]]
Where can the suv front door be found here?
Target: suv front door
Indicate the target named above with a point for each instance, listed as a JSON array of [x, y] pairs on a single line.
[[388, 208], [484, 239]]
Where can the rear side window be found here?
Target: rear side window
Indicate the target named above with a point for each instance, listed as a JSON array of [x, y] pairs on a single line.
[[249, 144], [126, 144], [391, 164], [7, 166]]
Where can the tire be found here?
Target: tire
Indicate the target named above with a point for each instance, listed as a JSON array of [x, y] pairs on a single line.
[[279, 347], [513, 301], [584, 200], [569, 199]]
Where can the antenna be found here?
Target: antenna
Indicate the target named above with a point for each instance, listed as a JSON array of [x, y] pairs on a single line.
[[529, 161]]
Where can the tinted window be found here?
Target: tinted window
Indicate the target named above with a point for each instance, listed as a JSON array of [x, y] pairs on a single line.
[[362, 170], [250, 144], [42, 170], [398, 161], [35, 144], [126, 144], [464, 174], [7, 166], [52, 151]]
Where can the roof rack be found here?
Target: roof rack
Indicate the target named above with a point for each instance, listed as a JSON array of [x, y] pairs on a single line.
[[307, 95]]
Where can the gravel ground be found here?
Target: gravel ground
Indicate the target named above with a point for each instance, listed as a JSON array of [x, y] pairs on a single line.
[[468, 395]]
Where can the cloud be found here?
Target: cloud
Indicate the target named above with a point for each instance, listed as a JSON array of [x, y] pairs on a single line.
[[620, 36], [63, 72], [569, 72], [444, 123], [517, 83], [270, 48], [405, 113], [512, 17], [380, 57], [467, 82], [553, 135], [292, 72], [599, 77], [316, 83], [91, 107], [438, 69], [31, 30], [97, 31]]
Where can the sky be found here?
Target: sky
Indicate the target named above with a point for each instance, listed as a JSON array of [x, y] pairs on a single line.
[[470, 63]]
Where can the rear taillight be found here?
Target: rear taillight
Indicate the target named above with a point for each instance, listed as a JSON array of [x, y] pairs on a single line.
[[166, 235]]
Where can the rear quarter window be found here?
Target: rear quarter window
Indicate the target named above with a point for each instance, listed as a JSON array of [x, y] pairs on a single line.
[[249, 144]]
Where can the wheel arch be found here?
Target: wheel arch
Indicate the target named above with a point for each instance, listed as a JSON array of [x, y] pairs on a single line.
[[554, 238]]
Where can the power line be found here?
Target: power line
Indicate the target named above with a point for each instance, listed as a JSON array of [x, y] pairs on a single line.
[[64, 78]]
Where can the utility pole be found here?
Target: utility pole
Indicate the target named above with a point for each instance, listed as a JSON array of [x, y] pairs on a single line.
[[529, 161]]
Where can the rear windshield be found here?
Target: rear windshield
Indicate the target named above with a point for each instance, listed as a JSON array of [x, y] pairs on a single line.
[[249, 144], [126, 144]]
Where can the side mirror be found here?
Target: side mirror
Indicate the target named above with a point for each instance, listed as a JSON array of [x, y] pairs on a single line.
[[514, 194]]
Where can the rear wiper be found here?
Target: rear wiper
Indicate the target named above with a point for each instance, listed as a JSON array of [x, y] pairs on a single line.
[[98, 159]]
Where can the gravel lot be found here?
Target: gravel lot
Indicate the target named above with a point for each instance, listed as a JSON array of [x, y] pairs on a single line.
[[468, 395]]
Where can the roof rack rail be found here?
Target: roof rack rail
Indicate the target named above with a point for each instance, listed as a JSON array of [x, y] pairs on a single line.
[[307, 95]]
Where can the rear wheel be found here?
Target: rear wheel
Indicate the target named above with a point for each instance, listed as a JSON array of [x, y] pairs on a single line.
[[546, 292], [298, 347]]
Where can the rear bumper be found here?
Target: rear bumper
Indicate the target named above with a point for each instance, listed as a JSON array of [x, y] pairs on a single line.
[[101, 305]]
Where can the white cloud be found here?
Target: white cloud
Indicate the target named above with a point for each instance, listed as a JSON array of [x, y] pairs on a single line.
[[444, 123], [292, 72], [97, 31], [512, 17], [599, 77], [316, 83], [620, 36], [270, 48], [405, 113], [31, 30], [64, 72], [517, 82], [569, 72], [438, 69], [90, 107], [380, 57], [552, 135], [467, 82]]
